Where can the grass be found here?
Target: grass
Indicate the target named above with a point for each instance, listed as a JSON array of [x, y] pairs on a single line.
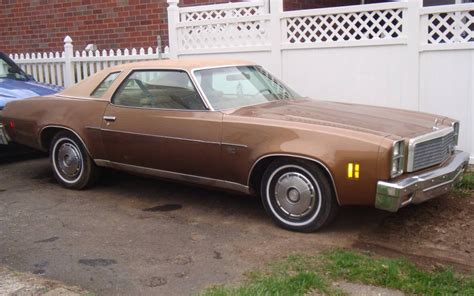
[[300, 274], [466, 184]]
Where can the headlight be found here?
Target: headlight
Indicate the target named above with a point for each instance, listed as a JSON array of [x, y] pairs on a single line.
[[398, 156], [456, 132]]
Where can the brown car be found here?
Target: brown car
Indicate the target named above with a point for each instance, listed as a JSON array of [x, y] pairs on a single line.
[[232, 125]]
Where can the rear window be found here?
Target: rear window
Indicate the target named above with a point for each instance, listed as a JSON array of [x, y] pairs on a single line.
[[104, 85]]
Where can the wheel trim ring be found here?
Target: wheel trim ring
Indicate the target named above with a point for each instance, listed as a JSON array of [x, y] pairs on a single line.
[[275, 213], [55, 164]]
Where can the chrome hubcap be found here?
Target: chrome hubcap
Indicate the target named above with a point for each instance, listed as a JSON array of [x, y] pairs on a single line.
[[69, 160], [295, 194]]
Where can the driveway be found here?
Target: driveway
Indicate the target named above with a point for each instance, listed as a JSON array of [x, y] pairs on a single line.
[[132, 235]]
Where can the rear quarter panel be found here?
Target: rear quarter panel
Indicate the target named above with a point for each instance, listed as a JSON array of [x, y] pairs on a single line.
[[31, 116]]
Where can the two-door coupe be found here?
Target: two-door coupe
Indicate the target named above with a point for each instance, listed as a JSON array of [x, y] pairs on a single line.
[[232, 125]]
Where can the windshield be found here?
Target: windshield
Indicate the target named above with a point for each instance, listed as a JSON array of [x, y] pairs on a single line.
[[9, 70], [239, 86]]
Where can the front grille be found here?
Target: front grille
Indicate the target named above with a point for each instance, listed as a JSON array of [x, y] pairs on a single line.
[[432, 152]]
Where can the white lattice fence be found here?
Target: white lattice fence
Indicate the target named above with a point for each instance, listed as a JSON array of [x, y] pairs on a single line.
[[220, 11], [229, 33], [375, 22], [450, 25], [222, 26]]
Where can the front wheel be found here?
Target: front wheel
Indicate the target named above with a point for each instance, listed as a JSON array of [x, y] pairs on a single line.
[[298, 195], [72, 166]]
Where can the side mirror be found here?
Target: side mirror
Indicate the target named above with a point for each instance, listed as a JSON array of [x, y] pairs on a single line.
[[30, 77]]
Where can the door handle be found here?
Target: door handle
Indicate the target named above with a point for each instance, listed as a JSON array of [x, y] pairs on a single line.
[[109, 118]]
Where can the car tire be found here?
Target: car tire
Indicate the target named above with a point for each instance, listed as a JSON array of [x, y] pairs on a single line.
[[298, 195], [72, 166]]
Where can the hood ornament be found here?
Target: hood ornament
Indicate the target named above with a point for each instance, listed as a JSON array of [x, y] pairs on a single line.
[[436, 124]]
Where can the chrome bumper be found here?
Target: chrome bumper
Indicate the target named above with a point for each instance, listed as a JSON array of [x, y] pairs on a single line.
[[3, 135], [416, 189]]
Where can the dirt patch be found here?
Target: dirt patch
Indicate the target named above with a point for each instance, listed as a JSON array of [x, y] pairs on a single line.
[[439, 232], [15, 283]]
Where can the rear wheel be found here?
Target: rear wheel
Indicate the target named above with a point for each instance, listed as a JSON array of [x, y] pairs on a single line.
[[298, 195], [72, 166]]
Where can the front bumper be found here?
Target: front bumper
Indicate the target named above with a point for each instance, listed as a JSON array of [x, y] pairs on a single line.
[[415, 189], [4, 139]]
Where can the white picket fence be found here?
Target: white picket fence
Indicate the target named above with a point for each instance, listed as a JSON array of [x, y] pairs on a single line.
[[397, 54], [69, 67]]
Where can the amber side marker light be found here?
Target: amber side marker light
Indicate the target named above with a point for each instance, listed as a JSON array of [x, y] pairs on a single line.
[[353, 170]]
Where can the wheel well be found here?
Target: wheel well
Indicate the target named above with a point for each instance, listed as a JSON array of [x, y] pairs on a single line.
[[48, 133], [47, 136], [259, 169]]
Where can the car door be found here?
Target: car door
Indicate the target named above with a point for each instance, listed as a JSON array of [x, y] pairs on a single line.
[[157, 122]]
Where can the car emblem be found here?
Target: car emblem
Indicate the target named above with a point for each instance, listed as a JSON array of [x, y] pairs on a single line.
[[435, 125]]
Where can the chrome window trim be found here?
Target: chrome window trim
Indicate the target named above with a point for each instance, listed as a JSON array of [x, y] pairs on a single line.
[[174, 175], [296, 156], [108, 75], [423, 138], [234, 65], [207, 106]]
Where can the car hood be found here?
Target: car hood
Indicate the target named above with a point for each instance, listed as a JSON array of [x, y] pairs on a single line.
[[370, 119], [11, 90]]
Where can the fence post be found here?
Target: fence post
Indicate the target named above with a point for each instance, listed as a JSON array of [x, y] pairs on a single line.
[[276, 8], [410, 95], [68, 54], [173, 20]]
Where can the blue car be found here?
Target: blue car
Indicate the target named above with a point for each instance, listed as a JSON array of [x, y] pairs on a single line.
[[15, 84]]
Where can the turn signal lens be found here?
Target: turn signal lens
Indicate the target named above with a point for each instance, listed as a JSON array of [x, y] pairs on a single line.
[[353, 170]]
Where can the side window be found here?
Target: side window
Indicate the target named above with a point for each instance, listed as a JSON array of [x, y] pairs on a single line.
[[165, 89], [104, 85]]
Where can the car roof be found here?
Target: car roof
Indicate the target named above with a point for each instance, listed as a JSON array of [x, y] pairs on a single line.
[[184, 64], [84, 88]]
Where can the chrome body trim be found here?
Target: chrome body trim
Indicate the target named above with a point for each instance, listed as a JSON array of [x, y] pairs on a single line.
[[456, 126], [401, 156], [4, 138], [174, 176], [426, 137], [301, 157], [160, 136], [65, 128], [236, 145], [416, 189], [109, 118], [80, 98]]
